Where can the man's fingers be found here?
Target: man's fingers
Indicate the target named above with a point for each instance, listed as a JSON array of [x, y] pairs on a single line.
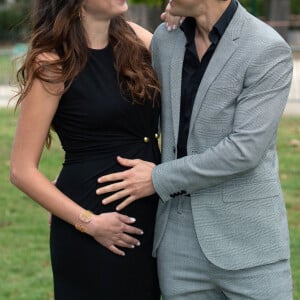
[[119, 175], [116, 196], [110, 188], [125, 162], [112, 177], [126, 202]]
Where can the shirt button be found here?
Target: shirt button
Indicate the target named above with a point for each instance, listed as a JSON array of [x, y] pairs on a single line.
[[156, 135], [146, 139]]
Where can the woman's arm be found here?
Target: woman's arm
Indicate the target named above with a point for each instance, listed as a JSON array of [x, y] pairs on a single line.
[[172, 23], [36, 113], [142, 33]]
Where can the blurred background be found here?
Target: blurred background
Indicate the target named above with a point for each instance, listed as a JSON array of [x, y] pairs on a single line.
[[25, 272]]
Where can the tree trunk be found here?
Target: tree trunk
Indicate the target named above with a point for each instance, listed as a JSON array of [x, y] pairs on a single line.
[[277, 14], [144, 15]]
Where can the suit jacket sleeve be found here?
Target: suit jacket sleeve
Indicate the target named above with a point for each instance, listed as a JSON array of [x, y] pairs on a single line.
[[258, 110]]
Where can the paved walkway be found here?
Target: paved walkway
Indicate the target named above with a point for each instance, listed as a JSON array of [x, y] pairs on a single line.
[[292, 107], [6, 92]]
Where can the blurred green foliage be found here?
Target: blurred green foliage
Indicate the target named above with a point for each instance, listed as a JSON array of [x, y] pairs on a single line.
[[14, 21]]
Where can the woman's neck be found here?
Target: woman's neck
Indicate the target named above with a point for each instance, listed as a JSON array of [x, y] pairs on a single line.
[[96, 31]]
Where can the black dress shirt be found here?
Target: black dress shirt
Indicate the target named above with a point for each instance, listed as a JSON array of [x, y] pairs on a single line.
[[193, 70]]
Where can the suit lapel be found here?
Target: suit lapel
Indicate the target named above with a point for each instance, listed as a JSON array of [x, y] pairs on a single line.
[[175, 81], [223, 52]]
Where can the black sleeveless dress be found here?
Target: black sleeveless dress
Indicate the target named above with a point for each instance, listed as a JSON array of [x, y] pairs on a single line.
[[95, 124]]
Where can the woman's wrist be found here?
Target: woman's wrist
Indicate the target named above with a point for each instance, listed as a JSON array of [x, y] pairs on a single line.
[[84, 222]]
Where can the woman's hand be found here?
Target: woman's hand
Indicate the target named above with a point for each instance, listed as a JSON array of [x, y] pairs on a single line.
[[113, 230], [171, 22]]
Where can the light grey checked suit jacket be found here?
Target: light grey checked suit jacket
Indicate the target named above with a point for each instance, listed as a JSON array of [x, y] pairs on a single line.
[[231, 171]]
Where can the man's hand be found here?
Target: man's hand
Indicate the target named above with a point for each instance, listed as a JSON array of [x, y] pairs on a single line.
[[132, 184]]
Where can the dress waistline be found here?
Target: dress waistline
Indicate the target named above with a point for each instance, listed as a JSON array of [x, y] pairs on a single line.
[[107, 146]]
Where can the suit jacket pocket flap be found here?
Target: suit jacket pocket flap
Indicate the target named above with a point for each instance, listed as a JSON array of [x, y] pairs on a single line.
[[253, 191]]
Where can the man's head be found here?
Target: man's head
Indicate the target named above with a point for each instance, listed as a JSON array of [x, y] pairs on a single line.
[[197, 8]]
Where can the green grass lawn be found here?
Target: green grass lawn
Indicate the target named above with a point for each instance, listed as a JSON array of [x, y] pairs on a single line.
[[289, 155], [25, 271]]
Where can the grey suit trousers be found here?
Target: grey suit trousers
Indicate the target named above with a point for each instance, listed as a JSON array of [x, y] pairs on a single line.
[[186, 274]]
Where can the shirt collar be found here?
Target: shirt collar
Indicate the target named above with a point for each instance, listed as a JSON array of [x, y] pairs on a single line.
[[189, 25]]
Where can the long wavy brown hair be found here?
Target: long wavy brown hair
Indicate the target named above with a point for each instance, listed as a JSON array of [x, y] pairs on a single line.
[[57, 28]]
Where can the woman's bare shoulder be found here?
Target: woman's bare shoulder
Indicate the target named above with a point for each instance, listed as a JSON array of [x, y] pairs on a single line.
[[142, 33]]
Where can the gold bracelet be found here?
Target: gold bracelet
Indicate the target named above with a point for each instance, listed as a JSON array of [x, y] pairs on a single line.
[[84, 217]]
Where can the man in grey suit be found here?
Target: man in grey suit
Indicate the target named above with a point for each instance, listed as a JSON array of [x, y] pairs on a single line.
[[221, 230]]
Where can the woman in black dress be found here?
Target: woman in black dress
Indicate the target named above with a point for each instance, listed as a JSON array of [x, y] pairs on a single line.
[[88, 75]]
